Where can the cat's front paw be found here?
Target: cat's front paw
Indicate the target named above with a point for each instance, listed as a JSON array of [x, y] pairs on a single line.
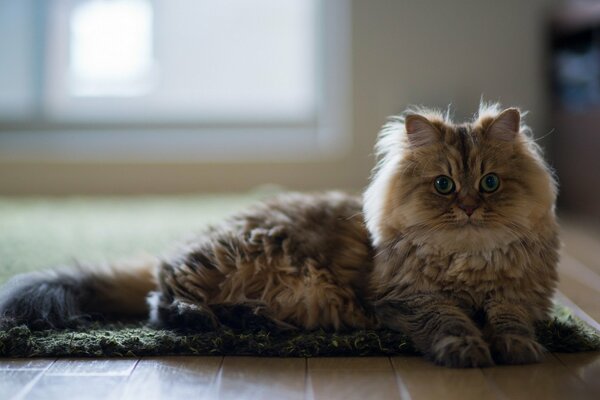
[[516, 349], [461, 352]]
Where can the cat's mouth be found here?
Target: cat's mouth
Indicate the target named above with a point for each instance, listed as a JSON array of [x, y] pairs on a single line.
[[470, 222]]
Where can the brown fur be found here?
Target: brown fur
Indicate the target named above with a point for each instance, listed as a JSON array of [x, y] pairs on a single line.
[[299, 259], [466, 289], [440, 275]]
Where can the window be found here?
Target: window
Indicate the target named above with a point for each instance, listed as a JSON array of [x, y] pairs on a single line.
[[109, 51], [190, 80]]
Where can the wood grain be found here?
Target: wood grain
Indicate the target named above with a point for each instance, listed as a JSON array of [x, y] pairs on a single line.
[[548, 380], [582, 241], [18, 376], [25, 363], [82, 379], [581, 285], [172, 378], [14, 383], [586, 366], [92, 367], [421, 379], [351, 378], [80, 387], [262, 378]]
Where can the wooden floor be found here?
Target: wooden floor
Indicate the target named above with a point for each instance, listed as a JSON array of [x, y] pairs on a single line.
[[560, 376]]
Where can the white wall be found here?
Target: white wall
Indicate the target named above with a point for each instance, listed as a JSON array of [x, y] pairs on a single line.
[[410, 51]]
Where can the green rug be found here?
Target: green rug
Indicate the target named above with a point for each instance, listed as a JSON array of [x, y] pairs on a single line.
[[37, 233], [562, 334]]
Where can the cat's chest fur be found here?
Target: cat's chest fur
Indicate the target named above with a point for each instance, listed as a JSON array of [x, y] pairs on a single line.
[[516, 272], [476, 271], [468, 275]]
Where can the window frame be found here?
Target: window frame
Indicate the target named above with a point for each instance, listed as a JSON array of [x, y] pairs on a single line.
[[327, 136]]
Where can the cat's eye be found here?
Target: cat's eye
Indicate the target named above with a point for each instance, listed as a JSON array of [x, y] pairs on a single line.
[[443, 184], [490, 183]]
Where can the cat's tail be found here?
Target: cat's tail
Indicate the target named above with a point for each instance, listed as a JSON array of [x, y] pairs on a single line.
[[68, 297]]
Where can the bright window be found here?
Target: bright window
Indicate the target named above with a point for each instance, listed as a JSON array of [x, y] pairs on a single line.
[[110, 49], [175, 68], [186, 59]]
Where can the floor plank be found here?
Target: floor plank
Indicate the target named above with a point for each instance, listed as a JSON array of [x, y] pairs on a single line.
[[420, 379], [351, 378], [172, 378], [582, 241], [580, 285], [580, 271], [262, 378], [549, 380], [93, 366], [586, 366], [80, 387], [14, 383], [18, 376], [25, 363], [85, 379]]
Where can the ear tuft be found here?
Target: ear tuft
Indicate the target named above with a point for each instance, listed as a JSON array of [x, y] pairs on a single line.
[[506, 125], [420, 131]]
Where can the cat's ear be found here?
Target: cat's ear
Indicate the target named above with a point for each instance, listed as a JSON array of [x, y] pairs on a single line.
[[505, 126], [420, 131]]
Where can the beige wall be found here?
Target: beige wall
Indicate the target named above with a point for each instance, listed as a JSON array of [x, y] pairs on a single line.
[[427, 52]]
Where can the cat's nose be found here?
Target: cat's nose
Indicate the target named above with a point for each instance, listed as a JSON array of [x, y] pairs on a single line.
[[468, 209]]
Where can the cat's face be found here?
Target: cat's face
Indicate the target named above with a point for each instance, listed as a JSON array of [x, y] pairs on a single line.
[[468, 187]]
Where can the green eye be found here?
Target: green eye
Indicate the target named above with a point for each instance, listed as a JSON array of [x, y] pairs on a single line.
[[443, 184], [490, 183]]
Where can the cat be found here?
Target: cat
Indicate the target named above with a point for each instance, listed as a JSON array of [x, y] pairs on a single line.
[[453, 243], [462, 219]]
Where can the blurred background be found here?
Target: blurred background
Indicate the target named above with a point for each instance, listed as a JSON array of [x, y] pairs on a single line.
[[111, 97], [125, 125]]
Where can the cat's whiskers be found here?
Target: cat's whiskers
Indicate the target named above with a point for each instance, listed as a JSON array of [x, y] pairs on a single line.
[[517, 231]]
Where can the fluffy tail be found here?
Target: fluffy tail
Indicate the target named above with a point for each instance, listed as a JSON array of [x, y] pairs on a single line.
[[68, 297]]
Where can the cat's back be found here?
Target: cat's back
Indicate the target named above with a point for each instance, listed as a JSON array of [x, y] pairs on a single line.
[[315, 219], [306, 257], [325, 228]]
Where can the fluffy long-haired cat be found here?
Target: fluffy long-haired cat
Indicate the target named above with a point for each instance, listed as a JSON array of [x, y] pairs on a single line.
[[455, 243]]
